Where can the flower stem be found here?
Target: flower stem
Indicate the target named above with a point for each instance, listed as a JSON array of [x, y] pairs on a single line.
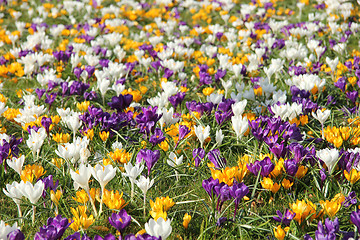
[[101, 201], [20, 213], [92, 203], [33, 216], [132, 190], [144, 204]]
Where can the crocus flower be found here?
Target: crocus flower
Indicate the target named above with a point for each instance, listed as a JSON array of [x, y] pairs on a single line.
[[133, 172], [265, 165], [350, 200], [32, 192], [54, 229], [157, 137], [121, 102], [5, 229], [16, 235], [159, 228], [209, 185], [329, 157], [214, 157], [355, 218], [120, 220], [144, 184], [198, 155], [107, 237], [103, 174], [202, 133], [284, 218], [329, 230], [16, 163], [150, 158]]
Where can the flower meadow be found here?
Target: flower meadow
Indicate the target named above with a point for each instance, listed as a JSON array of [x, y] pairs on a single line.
[[179, 119]]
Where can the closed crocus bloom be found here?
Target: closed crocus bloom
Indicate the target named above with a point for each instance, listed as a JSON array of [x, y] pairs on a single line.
[[103, 174], [16, 163], [353, 176], [330, 207], [16, 235], [240, 125], [13, 191], [174, 160], [120, 220], [329, 157], [239, 107], [32, 192], [321, 116], [355, 218], [6, 229], [279, 233], [186, 220], [132, 172], [202, 133], [219, 136], [81, 177], [144, 184], [159, 228], [302, 210]]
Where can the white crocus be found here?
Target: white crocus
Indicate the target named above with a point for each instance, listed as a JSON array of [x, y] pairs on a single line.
[[36, 140], [16, 163], [321, 116], [159, 228], [239, 107], [13, 192], [219, 136], [240, 125], [132, 172], [332, 63], [174, 161], [32, 192], [227, 85], [81, 179], [103, 174], [329, 157], [202, 133], [144, 184], [6, 229]]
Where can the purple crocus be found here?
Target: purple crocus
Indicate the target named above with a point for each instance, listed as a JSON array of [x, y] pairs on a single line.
[[183, 131], [120, 220], [121, 102], [54, 229], [46, 122], [350, 200], [238, 191], [40, 92], [150, 158], [144, 236], [209, 185], [291, 167], [157, 137], [16, 235], [107, 237], [50, 98], [327, 231], [77, 236], [352, 96], [198, 155], [284, 218], [355, 218], [265, 165], [214, 157]]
